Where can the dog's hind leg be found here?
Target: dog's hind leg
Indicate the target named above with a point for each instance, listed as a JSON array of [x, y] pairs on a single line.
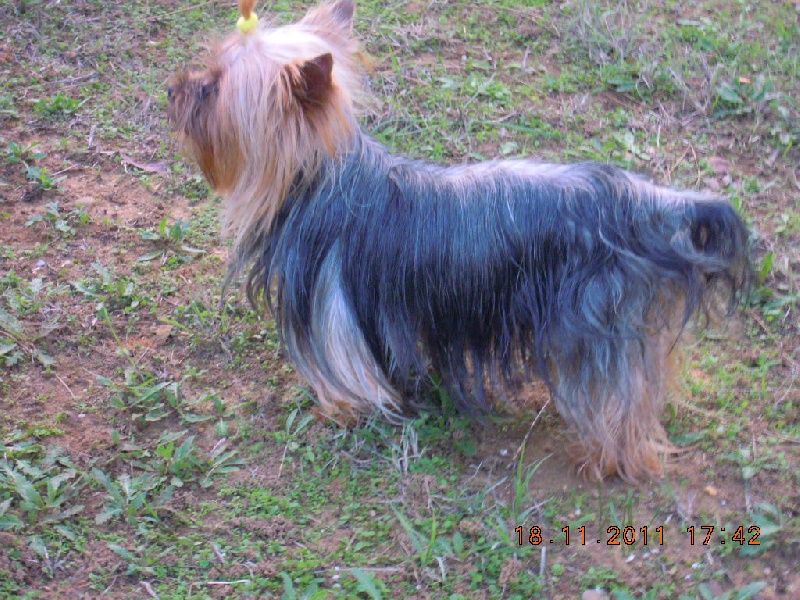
[[615, 419]]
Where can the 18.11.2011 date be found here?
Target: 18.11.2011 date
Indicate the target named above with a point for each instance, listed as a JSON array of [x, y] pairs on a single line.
[[630, 535]]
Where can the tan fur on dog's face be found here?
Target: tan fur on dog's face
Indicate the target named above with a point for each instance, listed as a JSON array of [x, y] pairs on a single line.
[[193, 98], [266, 105]]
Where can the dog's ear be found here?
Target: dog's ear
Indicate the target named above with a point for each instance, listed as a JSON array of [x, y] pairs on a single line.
[[343, 11], [312, 81], [338, 14]]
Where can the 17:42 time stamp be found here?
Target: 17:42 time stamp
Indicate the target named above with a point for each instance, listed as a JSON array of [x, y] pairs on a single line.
[[629, 536]]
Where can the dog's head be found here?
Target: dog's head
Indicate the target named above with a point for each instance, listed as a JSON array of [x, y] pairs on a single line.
[[269, 102]]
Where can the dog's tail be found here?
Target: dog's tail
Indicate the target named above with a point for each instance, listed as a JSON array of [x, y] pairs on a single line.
[[710, 255], [720, 237]]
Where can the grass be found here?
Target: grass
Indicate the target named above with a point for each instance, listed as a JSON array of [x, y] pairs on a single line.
[[156, 443]]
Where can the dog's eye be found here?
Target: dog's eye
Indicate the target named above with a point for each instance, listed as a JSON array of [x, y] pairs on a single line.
[[207, 90], [170, 92]]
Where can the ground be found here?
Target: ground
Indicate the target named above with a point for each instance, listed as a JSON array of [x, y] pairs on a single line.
[[156, 442]]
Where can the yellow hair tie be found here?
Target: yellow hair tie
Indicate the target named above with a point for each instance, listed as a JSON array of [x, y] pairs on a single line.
[[249, 24]]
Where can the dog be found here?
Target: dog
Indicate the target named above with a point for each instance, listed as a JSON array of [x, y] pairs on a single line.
[[382, 272]]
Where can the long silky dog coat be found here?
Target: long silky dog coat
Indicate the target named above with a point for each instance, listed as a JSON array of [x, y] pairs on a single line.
[[379, 269]]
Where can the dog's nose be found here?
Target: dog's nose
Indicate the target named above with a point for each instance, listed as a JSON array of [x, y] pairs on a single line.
[[170, 92]]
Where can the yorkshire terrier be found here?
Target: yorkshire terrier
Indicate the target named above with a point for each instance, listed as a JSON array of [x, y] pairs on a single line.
[[381, 270]]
